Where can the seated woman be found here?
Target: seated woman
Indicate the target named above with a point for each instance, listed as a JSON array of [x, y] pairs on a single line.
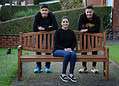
[[64, 44]]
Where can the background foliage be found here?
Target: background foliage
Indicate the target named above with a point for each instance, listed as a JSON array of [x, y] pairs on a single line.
[[25, 24], [12, 12]]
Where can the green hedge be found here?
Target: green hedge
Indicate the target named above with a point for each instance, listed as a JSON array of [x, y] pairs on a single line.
[[102, 12], [25, 24], [38, 1], [12, 12]]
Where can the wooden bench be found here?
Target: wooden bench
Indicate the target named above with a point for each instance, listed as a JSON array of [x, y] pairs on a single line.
[[43, 42]]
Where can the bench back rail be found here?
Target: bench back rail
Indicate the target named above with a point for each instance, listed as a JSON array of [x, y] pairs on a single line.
[[44, 41]]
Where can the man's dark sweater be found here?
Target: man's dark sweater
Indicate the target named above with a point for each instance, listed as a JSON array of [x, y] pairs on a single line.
[[84, 22], [64, 39], [45, 22]]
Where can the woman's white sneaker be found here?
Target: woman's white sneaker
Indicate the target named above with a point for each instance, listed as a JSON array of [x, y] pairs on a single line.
[[64, 77], [72, 78]]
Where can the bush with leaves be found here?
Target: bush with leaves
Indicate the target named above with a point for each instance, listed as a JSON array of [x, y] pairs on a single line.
[[25, 24]]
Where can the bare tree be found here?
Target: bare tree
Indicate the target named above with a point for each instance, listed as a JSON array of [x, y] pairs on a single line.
[[2, 2]]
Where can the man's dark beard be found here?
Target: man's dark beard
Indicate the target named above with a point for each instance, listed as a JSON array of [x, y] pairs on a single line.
[[46, 15]]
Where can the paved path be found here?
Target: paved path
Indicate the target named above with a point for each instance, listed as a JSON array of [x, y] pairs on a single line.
[[111, 42], [52, 79]]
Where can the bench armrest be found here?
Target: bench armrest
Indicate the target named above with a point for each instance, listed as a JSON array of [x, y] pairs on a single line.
[[19, 51], [106, 52], [19, 47]]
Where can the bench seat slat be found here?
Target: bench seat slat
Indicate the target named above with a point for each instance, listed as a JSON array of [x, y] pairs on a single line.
[[47, 58]]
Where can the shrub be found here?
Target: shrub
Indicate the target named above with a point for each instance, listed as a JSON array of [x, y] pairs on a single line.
[[38, 1], [12, 12], [9, 12], [25, 24]]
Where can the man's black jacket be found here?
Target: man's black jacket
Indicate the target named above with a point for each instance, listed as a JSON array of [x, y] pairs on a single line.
[[84, 22], [45, 22]]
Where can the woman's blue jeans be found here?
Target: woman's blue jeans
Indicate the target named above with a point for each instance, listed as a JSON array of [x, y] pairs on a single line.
[[68, 57]]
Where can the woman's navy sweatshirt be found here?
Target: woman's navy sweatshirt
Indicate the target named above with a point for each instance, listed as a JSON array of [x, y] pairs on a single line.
[[64, 39]]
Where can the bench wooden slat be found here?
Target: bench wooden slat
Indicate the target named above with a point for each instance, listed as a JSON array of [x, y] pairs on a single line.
[[47, 58], [96, 41], [52, 46], [104, 39], [89, 39], [81, 41], [44, 41], [85, 41], [25, 40], [36, 41], [92, 42], [100, 42], [32, 41], [38, 50], [41, 37], [48, 42], [90, 50], [28, 41]]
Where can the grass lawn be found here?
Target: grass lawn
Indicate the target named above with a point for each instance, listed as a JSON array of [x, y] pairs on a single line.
[[114, 52], [8, 66], [8, 63]]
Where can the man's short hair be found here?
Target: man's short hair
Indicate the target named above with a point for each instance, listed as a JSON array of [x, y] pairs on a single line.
[[44, 6], [89, 7]]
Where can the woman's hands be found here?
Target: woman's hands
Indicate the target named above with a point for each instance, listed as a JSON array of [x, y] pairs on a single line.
[[41, 28], [68, 49]]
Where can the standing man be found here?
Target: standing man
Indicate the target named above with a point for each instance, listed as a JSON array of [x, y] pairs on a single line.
[[89, 22], [44, 21]]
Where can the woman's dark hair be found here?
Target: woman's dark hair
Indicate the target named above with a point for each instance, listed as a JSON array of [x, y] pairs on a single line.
[[65, 17]]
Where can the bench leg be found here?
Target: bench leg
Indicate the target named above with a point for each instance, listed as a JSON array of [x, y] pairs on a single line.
[[20, 71], [106, 70]]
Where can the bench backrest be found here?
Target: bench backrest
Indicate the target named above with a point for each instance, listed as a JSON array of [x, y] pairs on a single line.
[[44, 41], [91, 41], [37, 41]]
